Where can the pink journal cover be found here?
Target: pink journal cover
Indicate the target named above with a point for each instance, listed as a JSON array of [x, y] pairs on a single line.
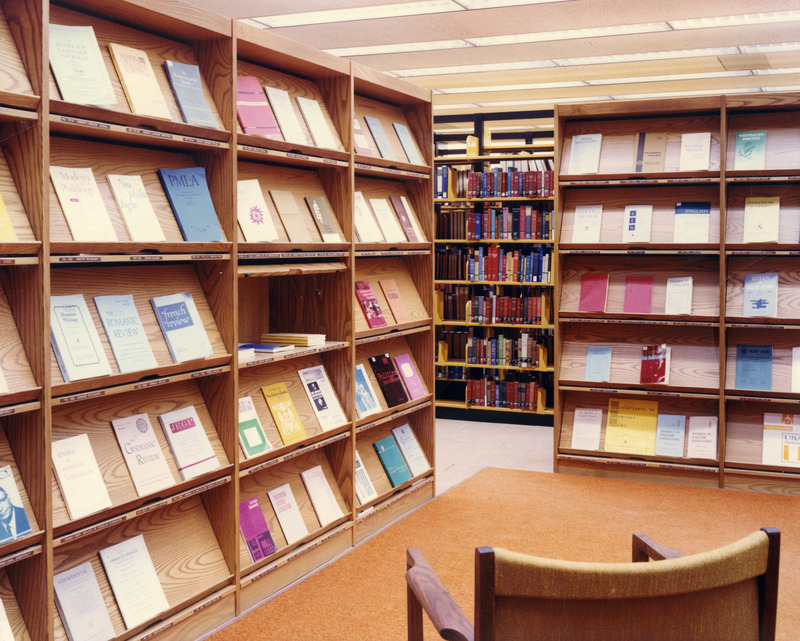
[[594, 288], [638, 295], [410, 377], [254, 529], [252, 106]]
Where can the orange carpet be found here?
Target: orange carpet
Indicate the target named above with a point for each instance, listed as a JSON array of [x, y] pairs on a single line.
[[361, 597]]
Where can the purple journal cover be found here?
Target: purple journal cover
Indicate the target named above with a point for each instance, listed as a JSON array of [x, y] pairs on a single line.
[[255, 530], [410, 376]]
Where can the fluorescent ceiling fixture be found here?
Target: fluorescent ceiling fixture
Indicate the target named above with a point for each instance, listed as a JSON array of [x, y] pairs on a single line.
[[774, 72], [668, 77], [540, 85], [400, 47], [527, 127], [569, 34], [494, 66], [547, 101], [360, 13], [677, 94], [792, 88], [772, 48], [648, 55], [494, 4], [744, 19], [459, 107]]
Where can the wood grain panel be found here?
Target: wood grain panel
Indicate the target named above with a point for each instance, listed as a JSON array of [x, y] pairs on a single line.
[[782, 148], [663, 200], [13, 359], [31, 580], [13, 76], [23, 151], [788, 221], [94, 419], [744, 434], [307, 296]]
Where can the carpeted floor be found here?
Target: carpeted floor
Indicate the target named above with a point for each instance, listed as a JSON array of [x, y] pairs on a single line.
[[361, 597]]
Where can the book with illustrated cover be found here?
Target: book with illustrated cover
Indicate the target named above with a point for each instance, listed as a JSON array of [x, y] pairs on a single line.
[[655, 364], [408, 143], [678, 296], [284, 413], [365, 490], [75, 340], [396, 304], [187, 87], [142, 453], [322, 498], [369, 304], [367, 227], [387, 219], [79, 477], [598, 363], [254, 529], [701, 441], [379, 136], [761, 219], [292, 218], [81, 606], [692, 222], [631, 426], [14, 522], [408, 372], [324, 219], [139, 81], [182, 327], [125, 332], [638, 295], [252, 438], [760, 295], [392, 461], [637, 223], [366, 401], [362, 141], [134, 581], [82, 204], [780, 441], [388, 379], [322, 397], [316, 123], [78, 66], [190, 200], [586, 428], [670, 435], [586, 228], [754, 367], [194, 455], [288, 513], [254, 218], [750, 149], [695, 151], [650, 151], [584, 156], [404, 218], [135, 207], [252, 108], [282, 107], [410, 449], [594, 290]]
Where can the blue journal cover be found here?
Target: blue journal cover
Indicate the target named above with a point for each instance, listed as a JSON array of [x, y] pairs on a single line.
[[754, 367], [188, 195], [188, 89], [392, 460]]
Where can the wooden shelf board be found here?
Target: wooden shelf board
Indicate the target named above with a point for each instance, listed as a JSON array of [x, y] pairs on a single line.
[[296, 352], [83, 258], [650, 249], [392, 331], [581, 386], [670, 178], [393, 496], [255, 251], [367, 423], [302, 156], [19, 106], [460, 323], [368, 166], [617, 319], [289, 269], [614, 458], [283, 454], [494, 241]]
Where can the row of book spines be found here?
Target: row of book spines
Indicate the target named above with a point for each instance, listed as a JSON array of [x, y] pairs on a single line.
[[510, 223], [452, 184], [502, 351], [494, 264], [515, 395], [454, 372], [522, 310]]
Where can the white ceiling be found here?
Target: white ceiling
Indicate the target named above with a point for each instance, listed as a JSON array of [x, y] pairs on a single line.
[[553, 60]]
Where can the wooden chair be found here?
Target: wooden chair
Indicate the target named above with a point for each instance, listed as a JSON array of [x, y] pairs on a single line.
[[725, 594]]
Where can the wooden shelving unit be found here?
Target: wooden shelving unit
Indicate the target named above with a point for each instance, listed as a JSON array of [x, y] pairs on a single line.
[[703, 343], [241, 289]]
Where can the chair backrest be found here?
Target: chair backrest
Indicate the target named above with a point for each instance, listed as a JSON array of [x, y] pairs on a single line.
[[729, 593]]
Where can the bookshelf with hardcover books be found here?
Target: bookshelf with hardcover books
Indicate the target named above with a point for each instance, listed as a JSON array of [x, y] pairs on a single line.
[[150, 201], [676, 291], [494, 282]]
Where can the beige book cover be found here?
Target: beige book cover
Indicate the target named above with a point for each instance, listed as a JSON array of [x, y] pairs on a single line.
[[284, 413], [82, 204], [7, 233], [136, 209], [396, 304], [317, 124], [294, 222], [255, 220], [139, 81], [650, 149]]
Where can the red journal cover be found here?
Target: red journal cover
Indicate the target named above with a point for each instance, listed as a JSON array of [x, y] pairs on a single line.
[[638, 295], [252, 106], [369, 304], [388, 380], [594, 289], [655, 364]]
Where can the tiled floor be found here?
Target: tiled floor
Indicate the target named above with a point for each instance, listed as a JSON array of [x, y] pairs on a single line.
[[465, 447]]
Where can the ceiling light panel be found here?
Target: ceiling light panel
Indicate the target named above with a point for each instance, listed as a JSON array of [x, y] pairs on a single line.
[[541, 85], [748, 19], [494, 4], [494, 66], [569, 34], [426, 7], [647, 55], [669, 77], [401, 47]]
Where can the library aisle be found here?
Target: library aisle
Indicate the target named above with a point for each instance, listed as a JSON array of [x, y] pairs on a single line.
[[466, 447]]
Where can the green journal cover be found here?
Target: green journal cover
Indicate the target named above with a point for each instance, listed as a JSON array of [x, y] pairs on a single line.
[[392, 461]]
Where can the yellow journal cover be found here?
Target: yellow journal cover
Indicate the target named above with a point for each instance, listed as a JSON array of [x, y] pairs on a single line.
[[631, 426], [139, 82], [7, 233], [284, 413]]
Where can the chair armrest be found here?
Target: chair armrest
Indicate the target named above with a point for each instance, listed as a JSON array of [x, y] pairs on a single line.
[[645, 548], [427, 590]]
